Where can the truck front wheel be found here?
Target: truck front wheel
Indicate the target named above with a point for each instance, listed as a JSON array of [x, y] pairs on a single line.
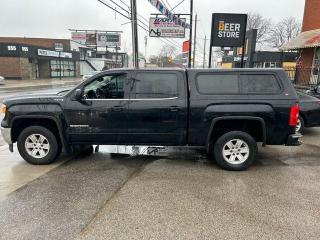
[[38, 145], [235, 151]]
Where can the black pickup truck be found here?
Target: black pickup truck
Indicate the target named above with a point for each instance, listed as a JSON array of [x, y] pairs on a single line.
[[225, 111]]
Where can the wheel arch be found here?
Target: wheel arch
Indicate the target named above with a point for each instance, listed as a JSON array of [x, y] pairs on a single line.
[[21, 122], [217, 120]]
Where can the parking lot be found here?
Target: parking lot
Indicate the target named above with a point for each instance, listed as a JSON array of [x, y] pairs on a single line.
[[178, 196]]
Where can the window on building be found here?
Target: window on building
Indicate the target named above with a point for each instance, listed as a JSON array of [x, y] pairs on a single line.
[[251, 83], [156, 85], [63, 68], [218, 83]]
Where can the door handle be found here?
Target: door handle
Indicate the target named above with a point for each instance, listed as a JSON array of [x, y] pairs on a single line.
[[174, 109], [117, 109]]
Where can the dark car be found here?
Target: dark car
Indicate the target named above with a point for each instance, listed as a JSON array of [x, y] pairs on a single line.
[[309, 112], [314, 91], [224, 111]]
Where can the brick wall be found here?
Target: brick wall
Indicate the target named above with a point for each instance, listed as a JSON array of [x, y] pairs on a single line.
[[311, 15], [10, 67], [43, 42], [25, 68]]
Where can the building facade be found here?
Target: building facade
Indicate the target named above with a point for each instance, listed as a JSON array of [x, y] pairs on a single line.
[[308, 44], [32, 58]]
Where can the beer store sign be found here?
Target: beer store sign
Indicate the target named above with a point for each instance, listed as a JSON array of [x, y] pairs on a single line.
[[228, 30]]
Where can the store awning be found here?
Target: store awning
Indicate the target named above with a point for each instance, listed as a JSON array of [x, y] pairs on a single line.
[[309, 39]]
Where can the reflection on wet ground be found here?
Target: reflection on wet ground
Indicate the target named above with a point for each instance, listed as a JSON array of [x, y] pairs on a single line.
[[179, 195]]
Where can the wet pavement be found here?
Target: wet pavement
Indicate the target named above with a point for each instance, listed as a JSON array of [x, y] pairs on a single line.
[[181, 196]]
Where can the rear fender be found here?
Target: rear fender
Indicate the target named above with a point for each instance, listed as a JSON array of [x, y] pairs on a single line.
[[219, 119]]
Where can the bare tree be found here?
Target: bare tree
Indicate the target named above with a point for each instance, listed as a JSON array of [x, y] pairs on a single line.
[[168, 51], [263, 25], [284, 31]]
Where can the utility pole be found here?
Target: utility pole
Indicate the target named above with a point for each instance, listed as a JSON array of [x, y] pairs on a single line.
[[195, 40], [204, 51], [145, 48], [190, 37], [134, 27]]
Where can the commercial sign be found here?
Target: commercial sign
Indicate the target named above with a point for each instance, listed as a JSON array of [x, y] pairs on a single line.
[[79, 37], [91, 38], [165, 27], [228, 30], [58, 47], [185, 53], [169, 14], [108, 39], [49, 53], [185, 46]]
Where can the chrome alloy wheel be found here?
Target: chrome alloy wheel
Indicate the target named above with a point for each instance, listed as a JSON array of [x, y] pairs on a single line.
[[236, 151], [37, 146]]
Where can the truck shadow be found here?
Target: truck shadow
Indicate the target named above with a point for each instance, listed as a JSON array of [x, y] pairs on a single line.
[[305, 155]]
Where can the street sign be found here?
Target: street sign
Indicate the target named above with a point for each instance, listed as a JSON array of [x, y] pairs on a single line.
[[228, 30], [165, 27]]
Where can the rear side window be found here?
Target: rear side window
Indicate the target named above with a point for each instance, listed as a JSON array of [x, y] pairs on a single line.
[[254, 83], [218, 84], [156, 85]]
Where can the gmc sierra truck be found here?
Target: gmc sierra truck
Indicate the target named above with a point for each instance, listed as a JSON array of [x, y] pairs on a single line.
[[225, 111]]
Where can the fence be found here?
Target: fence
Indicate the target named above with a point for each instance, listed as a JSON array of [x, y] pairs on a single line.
[[307, 77]]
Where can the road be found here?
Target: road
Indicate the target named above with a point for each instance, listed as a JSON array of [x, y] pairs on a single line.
[[177, 196]]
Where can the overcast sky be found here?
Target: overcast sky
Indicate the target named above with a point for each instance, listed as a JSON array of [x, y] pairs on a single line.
[[53, 18]]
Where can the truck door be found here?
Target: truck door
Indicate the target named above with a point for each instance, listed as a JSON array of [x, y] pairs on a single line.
[[158, 111], [102, 115]]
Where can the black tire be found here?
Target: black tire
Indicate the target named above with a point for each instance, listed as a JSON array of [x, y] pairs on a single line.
[[53, 152], [249, 145], [302, 126]]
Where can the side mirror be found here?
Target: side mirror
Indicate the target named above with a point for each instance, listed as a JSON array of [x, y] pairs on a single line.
[[317, 89], [78, 95]]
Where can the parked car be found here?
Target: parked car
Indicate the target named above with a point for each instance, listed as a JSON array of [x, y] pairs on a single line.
[[2, 80], [309, 112], [224, 111], [315, 91], [90, 74]]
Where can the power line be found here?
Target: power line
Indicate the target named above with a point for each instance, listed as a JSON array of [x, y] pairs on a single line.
[[162, 40], [177, 5]]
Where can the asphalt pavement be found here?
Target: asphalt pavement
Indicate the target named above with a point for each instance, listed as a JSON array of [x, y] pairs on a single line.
[[180, 196]]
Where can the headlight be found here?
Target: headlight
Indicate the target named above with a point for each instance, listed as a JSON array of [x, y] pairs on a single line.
[[3, 110]]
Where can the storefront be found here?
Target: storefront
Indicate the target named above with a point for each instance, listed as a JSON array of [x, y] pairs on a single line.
[[23, 61]]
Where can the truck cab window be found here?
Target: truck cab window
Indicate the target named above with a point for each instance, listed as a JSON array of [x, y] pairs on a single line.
[[156, 85], [106, 87]]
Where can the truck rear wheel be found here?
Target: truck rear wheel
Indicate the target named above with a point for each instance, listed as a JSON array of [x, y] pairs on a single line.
[[38, 145], [235, 151]]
